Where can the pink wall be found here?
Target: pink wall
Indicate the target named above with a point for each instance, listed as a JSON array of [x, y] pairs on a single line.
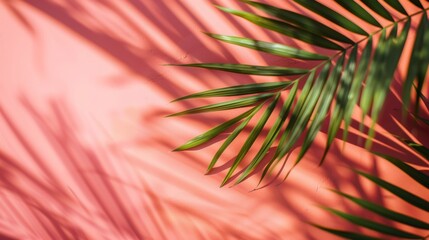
[[85, 150]]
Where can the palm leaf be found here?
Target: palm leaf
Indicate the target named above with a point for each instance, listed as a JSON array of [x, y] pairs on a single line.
[[397, 6], [324, 104], [233, 104], [301, 21], [342, 99], [392, 215], [249, 69], [385, 212], [251, 139], [345, 234], [232, 136], [378, 8], [341, 80], [212, 133], [332, 15], [398, 191], [272, 135], [285, 28], [240, 90], [358, 11], [419, 57], [418, 176], [373, 225], [272, 48], [420, 149]]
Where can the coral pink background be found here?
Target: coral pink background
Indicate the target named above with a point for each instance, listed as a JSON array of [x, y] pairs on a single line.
[[85, 150]]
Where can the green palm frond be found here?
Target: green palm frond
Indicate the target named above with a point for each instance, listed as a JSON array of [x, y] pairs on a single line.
[[417, 176], [356, 72]]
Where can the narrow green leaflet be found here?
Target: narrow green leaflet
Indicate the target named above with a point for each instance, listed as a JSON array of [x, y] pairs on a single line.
[[358, 78], [415, 174], [423, 120], [300, 103], [238, 103], [395, 47], [396, 5], [358, 11], [272, 135], [417, 3], [324, 102], [212, 133], [251, 139], [387, 213], [374, 74], [373, 225], [286, 29], [345, 234], [331, 15], [300, 116], [378, 8], [401, 193], [268, 47], [342, 100], [232, 136], [249, 69], [422, 150], [301, 21], [240, 90], [424, 64]]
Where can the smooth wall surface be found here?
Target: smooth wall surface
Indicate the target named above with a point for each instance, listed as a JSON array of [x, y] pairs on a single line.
[[86, 150]]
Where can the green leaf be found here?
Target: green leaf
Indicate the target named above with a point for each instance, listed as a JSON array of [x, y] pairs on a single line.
[[273, 48], [417, 3], [300, 117], [374, 75], [415, 59], [296, 113], [422, 150], [251, 139], [387, 213], [272, 135], [232, 136], [238, 103], [285, 29], [358, 78], [358, 11], [240, 90], [373, 225], [212, 133], [342, 100], [301, 21], [401, 193], [396, 5], [395, 47], [345, 234], [249, 69], [324, 102], [331, 15], [418, 176], [423, 120], [424, 65], [378, 8]]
